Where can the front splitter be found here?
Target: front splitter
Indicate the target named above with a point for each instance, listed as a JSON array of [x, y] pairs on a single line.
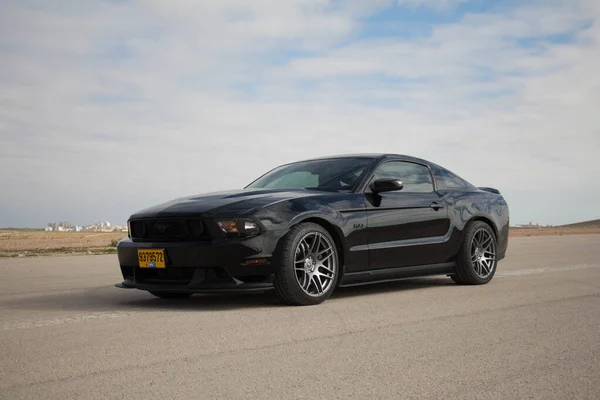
[[200, 289]]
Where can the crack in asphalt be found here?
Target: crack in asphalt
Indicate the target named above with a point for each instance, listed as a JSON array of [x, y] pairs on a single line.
[[5, 326], [541, 270]]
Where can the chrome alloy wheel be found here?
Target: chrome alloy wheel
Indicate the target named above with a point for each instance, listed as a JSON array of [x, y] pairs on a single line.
[[483, 253], [315, 264]]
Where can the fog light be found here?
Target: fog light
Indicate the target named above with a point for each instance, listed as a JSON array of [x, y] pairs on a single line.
[[196, 227], [257, 261]]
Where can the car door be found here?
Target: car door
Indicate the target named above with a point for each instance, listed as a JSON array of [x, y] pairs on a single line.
[[406, 227]]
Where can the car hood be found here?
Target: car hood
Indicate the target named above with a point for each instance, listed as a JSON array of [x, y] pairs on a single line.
[[229, 203]]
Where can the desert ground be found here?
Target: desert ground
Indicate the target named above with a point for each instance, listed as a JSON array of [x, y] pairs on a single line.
[[14, 243], [553, 231], [66, 332], [24, 243]]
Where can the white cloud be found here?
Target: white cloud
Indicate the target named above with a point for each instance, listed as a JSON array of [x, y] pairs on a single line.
[[202, 96], [430, 3]]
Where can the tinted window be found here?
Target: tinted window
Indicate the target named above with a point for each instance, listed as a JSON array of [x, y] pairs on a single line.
[[337, 174], [449, 180], [300, 179], [415, 177]]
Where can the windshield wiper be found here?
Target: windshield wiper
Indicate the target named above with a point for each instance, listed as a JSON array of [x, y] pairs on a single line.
[[320, 189]]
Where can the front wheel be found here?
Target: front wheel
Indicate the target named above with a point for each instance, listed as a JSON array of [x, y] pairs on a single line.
[[477, 259], [307, 265]]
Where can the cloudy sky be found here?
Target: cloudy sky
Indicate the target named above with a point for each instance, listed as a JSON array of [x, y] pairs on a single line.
[[107, 107]]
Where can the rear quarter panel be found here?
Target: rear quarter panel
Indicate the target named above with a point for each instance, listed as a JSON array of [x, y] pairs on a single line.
[[466, 206]]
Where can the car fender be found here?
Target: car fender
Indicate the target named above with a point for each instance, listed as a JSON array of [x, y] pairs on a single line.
[[468, 207]]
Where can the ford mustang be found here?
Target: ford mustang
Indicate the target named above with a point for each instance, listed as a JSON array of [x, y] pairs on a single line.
[[308, 227]]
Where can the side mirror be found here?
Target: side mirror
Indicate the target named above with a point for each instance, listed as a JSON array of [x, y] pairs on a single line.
[[385, 185]]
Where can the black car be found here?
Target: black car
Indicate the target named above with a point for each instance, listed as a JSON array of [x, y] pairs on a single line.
[[307, 227]]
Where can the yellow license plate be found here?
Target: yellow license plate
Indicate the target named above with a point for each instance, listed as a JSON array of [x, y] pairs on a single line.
[[151, 258]]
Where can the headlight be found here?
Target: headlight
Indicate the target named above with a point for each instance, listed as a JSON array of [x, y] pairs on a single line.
[[239, 227], [251, 228]]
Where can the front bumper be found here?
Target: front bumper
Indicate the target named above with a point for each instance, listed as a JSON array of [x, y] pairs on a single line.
[[202, 267], [204, 288]]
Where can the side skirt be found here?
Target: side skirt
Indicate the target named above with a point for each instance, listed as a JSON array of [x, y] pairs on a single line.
[[393, 274]]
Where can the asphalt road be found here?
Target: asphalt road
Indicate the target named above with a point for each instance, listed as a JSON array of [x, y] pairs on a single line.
[[533, 332]]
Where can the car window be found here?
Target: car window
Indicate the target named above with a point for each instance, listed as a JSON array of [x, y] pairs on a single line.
[[295, 179], [335, 175], [449, 180], [416, 178]]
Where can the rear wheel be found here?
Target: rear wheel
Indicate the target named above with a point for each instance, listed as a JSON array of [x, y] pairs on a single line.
[[476, 264], [307, 265], [170, 295]]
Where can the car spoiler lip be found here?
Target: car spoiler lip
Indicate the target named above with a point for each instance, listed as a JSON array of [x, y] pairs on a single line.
[[489, 189]]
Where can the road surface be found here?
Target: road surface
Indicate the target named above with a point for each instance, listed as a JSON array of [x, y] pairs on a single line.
[[533, 332]]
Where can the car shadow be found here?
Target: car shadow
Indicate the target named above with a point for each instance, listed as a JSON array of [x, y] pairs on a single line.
[[394, 286], [110, 299]]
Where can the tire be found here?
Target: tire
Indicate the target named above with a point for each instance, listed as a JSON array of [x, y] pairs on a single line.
[[478, 258], [170, 295], [457, 280], [306, 276]]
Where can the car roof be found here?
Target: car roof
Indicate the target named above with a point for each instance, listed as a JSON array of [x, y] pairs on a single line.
[[373, 156]]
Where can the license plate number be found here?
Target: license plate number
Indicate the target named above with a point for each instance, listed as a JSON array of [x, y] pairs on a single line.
[[151, 258]]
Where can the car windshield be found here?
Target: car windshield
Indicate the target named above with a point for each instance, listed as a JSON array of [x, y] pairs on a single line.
[[335, 175]]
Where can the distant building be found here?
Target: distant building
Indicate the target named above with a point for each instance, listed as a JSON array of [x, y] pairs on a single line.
[[100, 226]]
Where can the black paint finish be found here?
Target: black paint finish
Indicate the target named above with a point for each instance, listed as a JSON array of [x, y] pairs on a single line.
[[383, 236]]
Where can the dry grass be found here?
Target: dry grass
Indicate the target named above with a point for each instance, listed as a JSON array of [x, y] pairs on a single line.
[[17, 243], [554, 231], [25, 243]]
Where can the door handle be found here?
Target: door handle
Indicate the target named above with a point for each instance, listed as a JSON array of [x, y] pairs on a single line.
[[436, 206]]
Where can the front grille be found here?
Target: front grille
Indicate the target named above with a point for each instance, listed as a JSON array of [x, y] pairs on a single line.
[[167, 276], [172, 229], [181, 276]]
